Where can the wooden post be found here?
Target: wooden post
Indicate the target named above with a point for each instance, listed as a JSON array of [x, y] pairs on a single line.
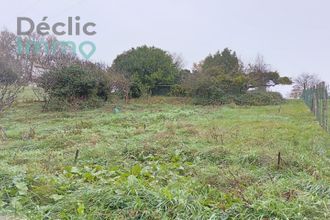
[[319, 103], [326, 108], [304, 93], [323, 103], [279, 160], [314, 100], [76, 156]]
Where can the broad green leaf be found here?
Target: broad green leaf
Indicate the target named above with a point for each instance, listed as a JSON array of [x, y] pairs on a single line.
[[136, 170], [81, 209]]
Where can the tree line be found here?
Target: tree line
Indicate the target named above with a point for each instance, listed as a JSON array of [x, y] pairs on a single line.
[[66, 80]]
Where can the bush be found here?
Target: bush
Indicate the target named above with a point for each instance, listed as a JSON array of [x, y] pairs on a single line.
[[74, 87], [147, 67], [135, 91], [259, 98], [178, 91], [211, 96]]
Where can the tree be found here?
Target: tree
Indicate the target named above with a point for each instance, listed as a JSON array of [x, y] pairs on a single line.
[[48, 53], [226, 60], [147, 67], [304, 80], [261, 76], [10, 86], [32, 50], [217, 78], [10, 71], [119, 83], [221, 78]]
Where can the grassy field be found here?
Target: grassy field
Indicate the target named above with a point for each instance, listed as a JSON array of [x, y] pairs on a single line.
[[163, 159]]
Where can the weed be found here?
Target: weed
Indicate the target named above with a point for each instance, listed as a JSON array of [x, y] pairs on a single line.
[[164, 159]]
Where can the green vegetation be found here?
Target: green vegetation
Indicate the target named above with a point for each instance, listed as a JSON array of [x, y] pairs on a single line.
[[66, 82], [259, 98], [147, 68], [75, 87], [156, 157], [222, 78], [162, 158]]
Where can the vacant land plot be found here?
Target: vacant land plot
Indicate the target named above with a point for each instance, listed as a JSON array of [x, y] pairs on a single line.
[[165, 161]]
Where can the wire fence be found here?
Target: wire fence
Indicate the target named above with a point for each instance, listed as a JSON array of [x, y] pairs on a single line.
[[316, 98]]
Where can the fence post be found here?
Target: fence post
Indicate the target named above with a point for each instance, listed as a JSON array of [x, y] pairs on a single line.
[[319, 103], [316, 98], [305, 93], [325, 108]]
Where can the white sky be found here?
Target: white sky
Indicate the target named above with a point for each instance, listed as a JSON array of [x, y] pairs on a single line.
[[292, 35]]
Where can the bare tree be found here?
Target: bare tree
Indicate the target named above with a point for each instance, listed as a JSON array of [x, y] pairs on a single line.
[[259, 65], [10, 70], [8, 45], [47, 53], [120, 83], [10, 86], [261, 76], [178, 60], [304, 80], [258, 73]]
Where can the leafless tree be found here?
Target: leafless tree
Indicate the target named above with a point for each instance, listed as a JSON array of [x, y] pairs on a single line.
[[10, 86], [304, 80], [47, 53], [10, 70], [7, 45], [178, 60], [259, 65], [119, 83], [257, 72], [261, 76]]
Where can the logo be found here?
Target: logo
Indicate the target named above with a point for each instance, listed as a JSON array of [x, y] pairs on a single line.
[[26, 27]]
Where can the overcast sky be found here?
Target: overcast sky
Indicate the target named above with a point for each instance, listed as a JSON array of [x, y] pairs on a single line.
[[292, 35]]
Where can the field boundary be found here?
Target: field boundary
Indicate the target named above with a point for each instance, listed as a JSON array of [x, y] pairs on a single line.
[[316, 98]]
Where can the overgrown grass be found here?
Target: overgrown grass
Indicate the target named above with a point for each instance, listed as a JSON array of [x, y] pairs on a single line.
[[162, 159]]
